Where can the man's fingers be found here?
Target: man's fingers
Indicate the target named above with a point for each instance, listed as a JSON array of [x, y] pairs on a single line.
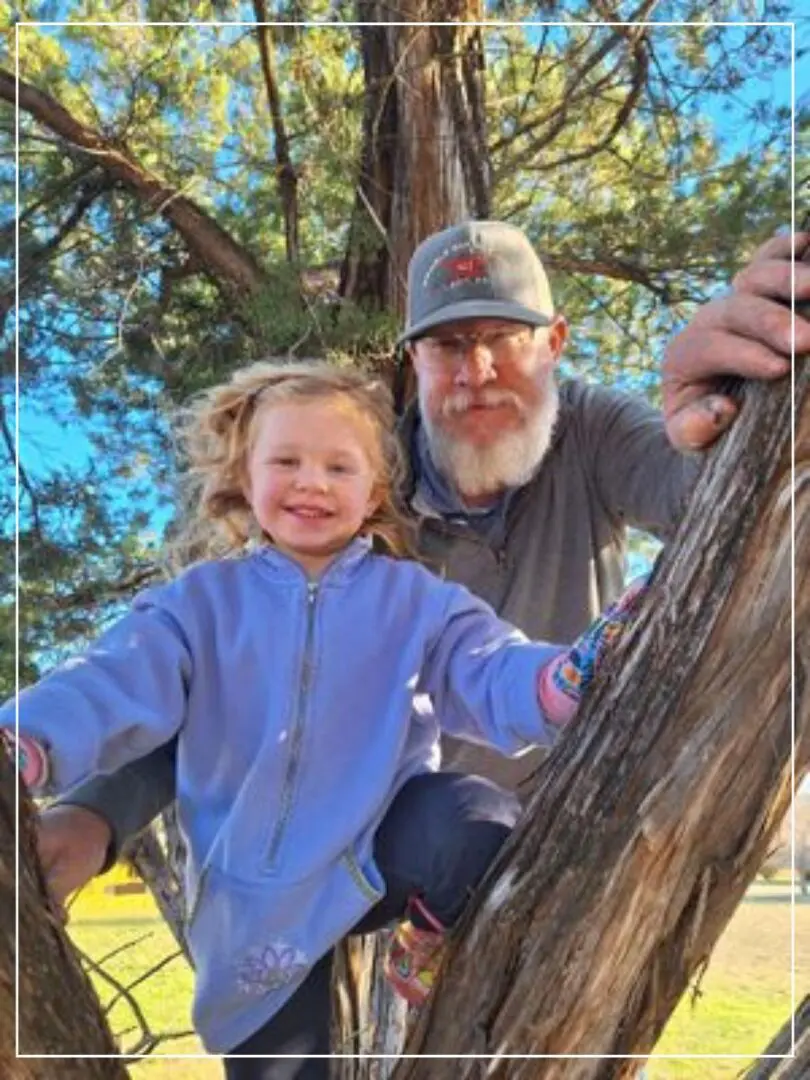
[[776, 278], [782, 246], [698, 352], [696, 426], [750, 333]]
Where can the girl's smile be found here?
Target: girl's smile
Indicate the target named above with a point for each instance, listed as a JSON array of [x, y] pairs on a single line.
[[312, 477]]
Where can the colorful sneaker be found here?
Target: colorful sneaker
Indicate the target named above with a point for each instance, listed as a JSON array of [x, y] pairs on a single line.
[[414, 955]]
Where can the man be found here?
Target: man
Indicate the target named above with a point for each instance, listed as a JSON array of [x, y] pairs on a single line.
[[522, 488]]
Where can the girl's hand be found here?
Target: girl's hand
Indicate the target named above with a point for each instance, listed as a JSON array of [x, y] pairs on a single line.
[[562, 683], [72, 843]]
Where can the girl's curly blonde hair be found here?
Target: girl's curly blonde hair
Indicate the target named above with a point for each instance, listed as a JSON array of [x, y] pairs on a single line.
[[216, 433]]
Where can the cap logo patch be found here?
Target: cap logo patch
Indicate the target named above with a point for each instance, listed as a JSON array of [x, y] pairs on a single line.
[[457, 266]]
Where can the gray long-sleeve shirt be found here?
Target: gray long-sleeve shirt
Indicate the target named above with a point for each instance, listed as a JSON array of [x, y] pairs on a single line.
[[610, 466]]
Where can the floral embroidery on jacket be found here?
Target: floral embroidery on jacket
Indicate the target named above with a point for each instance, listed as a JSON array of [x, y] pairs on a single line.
[[269, 967]]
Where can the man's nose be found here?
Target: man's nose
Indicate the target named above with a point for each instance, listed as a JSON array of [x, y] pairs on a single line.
[[476, 368]]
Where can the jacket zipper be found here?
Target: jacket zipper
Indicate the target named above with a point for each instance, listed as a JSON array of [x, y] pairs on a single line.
[[296, 737]]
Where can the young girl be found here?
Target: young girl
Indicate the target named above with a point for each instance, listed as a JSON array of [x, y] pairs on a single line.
[[306, 671]]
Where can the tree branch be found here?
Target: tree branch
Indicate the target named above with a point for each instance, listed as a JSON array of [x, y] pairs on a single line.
[[286, 174], [228, 264], [796, 1067], [25, 480]]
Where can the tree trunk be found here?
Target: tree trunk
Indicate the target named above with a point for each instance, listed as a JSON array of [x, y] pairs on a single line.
[[653, 814], [425, 163], [162, 873], [59, 1012], [430, 190], [796, 1067], [424, 166]]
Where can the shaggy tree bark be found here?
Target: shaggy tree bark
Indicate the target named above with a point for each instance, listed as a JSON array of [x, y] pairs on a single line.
[[162, 874], [425, 161], [59, 1012], [652, 815]]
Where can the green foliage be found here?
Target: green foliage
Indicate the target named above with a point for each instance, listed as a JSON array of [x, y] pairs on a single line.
[[118, 324]]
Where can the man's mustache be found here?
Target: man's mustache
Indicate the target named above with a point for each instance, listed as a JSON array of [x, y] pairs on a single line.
[[489, 397]]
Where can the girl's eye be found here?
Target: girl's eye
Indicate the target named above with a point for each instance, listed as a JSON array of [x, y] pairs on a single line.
[[284, 462], [336, 468]]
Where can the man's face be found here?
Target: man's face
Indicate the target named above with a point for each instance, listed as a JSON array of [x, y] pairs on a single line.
[[488, 398]]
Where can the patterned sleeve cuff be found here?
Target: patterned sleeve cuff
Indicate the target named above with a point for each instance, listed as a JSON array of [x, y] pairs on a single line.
[[32, 760], [557, 690]]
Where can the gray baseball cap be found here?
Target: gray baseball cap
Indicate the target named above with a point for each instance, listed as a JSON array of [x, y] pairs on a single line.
[[479, 269]]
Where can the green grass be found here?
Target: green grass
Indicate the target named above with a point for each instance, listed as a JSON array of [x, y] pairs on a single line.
[[744, 996], [141, 944]]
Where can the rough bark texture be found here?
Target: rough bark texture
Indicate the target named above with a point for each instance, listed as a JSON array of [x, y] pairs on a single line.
[[162, 876], [430, 190], [59, 1011], [369, 1019], [425, 162], [651, 817]]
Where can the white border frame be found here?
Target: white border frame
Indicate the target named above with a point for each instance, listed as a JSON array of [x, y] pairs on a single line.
[[349, 25]]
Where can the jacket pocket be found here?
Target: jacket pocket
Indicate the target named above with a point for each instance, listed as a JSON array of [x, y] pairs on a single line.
[[254, 942], [369, 880]]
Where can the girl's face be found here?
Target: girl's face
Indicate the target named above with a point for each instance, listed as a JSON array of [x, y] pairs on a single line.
[[311, 480]]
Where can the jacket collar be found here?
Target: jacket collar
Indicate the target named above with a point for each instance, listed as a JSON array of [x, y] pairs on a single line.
[[284, 569]]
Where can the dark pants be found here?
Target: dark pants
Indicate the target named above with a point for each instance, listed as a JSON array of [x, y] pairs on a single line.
[[438, 838]]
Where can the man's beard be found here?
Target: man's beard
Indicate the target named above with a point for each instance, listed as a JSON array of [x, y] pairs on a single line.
[[509, 461]]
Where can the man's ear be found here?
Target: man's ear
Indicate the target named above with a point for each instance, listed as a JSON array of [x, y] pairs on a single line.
[[404, 385], [557, 337]]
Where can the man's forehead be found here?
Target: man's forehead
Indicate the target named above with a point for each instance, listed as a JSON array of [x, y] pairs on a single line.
[[473, 325]]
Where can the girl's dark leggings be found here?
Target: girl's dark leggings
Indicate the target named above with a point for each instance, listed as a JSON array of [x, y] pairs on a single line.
[[438, 838]]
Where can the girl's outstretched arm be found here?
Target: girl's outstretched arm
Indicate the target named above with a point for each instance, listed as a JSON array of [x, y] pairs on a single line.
[[118, 701]]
